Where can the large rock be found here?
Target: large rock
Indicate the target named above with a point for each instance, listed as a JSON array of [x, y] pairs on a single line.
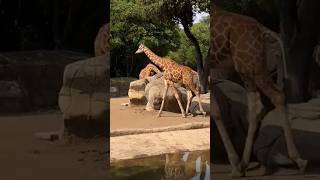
[[84, 98], [154, 92], [136, 92]]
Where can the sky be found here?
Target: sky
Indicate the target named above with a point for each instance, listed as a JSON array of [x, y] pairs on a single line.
[[198, 16]]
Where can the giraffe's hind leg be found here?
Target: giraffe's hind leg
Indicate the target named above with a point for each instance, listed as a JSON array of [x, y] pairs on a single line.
[[277, 97], [197, 93]]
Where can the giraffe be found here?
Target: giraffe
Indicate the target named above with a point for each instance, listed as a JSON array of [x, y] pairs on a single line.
[[174, 73], [149, 70], [239, 38], [101, 43]]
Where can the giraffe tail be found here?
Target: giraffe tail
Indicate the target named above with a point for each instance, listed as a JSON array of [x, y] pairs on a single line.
[[283, 55]]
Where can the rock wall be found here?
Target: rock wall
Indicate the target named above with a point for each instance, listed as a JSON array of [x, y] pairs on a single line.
[[84, 97], [38, 75]]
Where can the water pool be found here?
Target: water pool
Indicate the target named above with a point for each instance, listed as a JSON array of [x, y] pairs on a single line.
[[178, 166]]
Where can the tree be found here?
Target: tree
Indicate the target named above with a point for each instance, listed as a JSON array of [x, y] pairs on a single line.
[[131, 26], [185, 53], [180, 11]]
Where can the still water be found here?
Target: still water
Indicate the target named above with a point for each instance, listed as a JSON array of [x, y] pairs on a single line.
[[178, 166]]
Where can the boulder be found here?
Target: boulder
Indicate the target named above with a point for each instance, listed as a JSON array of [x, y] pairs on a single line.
[[84, 97], [136, 92], [154, 92]]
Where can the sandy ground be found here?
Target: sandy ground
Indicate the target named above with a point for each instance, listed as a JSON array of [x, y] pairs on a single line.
[[138, 117], [24, 157]]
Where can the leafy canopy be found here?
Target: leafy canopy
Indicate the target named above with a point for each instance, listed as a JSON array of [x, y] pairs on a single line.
[[130, 26]]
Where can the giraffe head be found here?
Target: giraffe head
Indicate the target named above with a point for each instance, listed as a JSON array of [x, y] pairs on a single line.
[[140, 49]]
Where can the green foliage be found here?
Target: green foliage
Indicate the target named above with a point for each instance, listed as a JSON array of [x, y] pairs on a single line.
[[130, 26], [186, 52], [174, 11]]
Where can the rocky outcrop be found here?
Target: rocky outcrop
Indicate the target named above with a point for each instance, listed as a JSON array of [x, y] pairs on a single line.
[[84, 97], [154, 92], [149, 92], [136, 92]]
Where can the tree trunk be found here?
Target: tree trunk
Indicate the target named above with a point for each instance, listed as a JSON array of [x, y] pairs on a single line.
[[194, 41], [300, 29]]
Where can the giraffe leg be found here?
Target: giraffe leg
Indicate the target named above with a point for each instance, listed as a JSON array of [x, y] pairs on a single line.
[[163, 97], [176, 95], [232, 154], [196, 92], [254, 109], [190, 97], [278, 99]]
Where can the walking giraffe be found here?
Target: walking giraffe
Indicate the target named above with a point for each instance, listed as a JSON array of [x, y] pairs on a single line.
[[174, 73], [240, 39]]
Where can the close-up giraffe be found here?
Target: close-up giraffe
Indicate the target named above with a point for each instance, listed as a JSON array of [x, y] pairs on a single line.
[[240, 38], [174, 73]]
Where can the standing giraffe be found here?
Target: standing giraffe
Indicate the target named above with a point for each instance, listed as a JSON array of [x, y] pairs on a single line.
[[240, 39], [149, 70], [174, 73]]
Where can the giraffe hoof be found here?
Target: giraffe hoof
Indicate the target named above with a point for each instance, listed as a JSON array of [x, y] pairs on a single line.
[[302, 164], [204, 114], [236, 173], [184, 115]]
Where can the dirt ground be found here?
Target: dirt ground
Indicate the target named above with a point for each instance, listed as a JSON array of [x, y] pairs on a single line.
[[24, 157], [137, 117]]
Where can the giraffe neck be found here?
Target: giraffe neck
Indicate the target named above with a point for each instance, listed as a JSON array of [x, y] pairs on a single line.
[[154, 58]]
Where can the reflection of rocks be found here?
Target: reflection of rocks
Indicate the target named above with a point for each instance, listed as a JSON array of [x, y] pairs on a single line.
[[83, 97]]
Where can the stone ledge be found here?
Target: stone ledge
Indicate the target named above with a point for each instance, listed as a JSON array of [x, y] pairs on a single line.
[[142, 145], [187, 126]]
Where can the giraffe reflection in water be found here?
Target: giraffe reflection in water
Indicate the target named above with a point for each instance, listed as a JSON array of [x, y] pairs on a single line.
[[186, 166]]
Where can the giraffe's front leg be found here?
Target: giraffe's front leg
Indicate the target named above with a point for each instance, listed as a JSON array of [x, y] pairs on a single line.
[[190, 97], [232, 154], [163, 97], [176, 95]]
